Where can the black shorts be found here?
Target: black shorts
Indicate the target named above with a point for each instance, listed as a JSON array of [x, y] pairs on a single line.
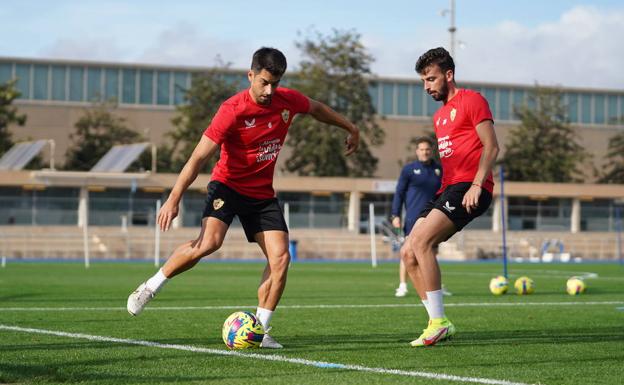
[[256, 215], [449, 202]]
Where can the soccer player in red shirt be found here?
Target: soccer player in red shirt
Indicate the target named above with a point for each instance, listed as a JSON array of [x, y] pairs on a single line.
[[468, 149], [250, 127]]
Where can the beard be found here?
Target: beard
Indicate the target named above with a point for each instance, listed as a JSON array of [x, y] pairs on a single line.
[[442, 94]]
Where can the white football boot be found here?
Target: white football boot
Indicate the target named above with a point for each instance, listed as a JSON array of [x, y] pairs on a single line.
[[268, 342], [139, 298], [401, 291]]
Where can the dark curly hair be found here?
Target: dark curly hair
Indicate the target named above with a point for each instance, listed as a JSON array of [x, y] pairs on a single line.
[[438, 56]]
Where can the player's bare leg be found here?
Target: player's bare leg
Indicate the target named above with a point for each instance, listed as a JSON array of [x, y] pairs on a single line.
[[183, 258], [422, 242], [274, 245]]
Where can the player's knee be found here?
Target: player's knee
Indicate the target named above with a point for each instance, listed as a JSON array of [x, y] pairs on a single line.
[[209, 244], [281, 261], [406, 256], [420, 245]]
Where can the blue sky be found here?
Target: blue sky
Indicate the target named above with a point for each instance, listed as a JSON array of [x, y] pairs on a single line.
[[570, 43]]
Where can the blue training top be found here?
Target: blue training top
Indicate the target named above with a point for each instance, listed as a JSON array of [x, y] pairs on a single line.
[[416, 186]]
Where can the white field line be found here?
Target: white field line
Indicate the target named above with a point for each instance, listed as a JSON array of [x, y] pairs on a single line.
[[267, 357], [320, 306]]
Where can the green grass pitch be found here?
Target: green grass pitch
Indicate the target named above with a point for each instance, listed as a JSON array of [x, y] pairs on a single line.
[[342, 314]]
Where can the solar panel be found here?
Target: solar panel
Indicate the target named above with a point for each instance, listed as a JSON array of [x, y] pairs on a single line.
[[21, 154], [119, 157]]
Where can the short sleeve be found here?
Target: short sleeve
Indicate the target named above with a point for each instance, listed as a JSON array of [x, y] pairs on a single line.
[[479, 109], [221, 123], [299, 103]]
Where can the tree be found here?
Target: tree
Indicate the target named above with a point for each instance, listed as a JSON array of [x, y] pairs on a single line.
[[202, 100], [544, 147], [8, 114], [614, 169], [334, 71], [96, 132]]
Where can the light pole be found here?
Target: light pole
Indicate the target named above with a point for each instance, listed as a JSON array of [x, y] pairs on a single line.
[[452, 28]]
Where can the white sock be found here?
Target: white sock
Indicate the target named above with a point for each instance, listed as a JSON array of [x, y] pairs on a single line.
[[157, 281], [403, 286], [426, 304], [436, 304], [264, 316]]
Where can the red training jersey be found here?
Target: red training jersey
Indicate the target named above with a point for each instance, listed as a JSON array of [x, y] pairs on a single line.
[[251, 136], [458, 143]]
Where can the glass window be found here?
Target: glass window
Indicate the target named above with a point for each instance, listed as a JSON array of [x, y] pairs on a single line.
[[586, 108], [573, 108], [517, 101], [163, 87], [387, 92], [94, 84], [373, 91], [111, 84], [22, 73], [6, 72], [551, 214], [76, 84], [599, 109], [417, 100], [58, 83], [128, 95], [597, 215], [402, 99], [180, 80], [504, 105], [40, 83], [612, 113], [147, 87], [432, 105], [490, 95]]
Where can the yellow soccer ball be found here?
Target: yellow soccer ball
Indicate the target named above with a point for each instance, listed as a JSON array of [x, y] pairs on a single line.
[[242, 330], [524, 285], [499, 285], [575, 286]]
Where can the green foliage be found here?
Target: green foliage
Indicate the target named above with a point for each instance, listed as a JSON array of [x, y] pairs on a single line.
[[202, 100], [614, 169], [96, 132], [8, 114], [544, 147], [334, 71]]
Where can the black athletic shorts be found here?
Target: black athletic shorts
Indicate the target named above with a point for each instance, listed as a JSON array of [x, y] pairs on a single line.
[[256, 215], [449, 202]]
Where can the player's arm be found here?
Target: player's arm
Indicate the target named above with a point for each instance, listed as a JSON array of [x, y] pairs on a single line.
[[325, 114], [399, 199], [204, 150], [487, 135]]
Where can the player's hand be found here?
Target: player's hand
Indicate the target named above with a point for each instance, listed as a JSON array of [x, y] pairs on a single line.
[[352, 142], [471, 198], [166, 215], [396, 222]]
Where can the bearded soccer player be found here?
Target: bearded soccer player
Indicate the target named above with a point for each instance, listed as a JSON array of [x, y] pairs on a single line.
[[250, 127], [468, 149]]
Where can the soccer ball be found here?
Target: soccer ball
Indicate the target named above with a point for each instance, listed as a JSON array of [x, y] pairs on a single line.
[[242, 330], [524, 285], [499, 285], [575, 285]]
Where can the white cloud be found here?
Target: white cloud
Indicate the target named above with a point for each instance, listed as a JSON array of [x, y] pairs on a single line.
[[581, 49]]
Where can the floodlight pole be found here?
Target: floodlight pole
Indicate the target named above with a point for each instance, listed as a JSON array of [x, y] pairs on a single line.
[[154, 158], [371, 227], [503, 220], [618, 229], [157, 236], [452, 28], [52, 148]]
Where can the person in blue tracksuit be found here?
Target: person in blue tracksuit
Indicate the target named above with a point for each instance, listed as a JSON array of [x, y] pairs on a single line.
[[418, 183]]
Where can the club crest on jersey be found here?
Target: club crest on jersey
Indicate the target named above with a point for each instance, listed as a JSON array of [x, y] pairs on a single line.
[[285, 115], [437, 171], [417, 171], [250, 123], [453, 114], [217, 203]]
